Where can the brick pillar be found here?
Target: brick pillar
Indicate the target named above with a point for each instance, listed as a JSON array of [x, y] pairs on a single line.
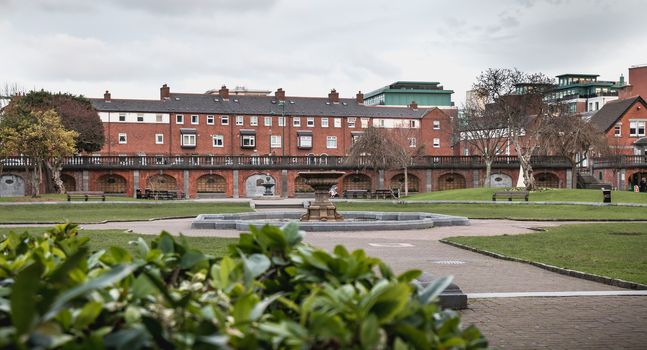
[[380, 179], [622, 174], [476, 175], [429, 181], [186, 184], [85, 181], [569, 178], [135, 182], [284, 183], [235, 180]]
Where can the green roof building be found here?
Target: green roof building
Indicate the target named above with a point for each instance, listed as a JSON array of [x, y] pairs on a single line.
[[402, 93], [584, 92]]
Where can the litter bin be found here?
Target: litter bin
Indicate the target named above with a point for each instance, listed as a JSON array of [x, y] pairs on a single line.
[[606, 195]]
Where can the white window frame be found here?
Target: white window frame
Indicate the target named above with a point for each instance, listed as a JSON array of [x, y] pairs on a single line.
[[179, 119], [281, 121], [267, 121], [195, 119], [364, 122], [310, 122], [248, 138], [324, 122], [122, 138], [436, 124], [413, 123], [159, 118], [275, 141], [253, 121], [337, 122], [140, 117], [122, 117], [331, 142], [296, 121], [224, 120], [240, 120], [617, 132], [218, 140], [211, 120], [436, 142], [351, 122], [412, 142], [635, 126], [189, 140], [159, 139], [305, 141]]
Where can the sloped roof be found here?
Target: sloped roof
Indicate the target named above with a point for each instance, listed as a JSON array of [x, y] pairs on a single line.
[[261, 105], [609, 114]]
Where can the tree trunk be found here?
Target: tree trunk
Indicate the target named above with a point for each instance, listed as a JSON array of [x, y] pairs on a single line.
[[55, 169], [406, 181], [36, 176], [48, 178], [488, 170], [528, 176]]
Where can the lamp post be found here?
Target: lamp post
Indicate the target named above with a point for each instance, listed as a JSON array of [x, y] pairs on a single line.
[[282, 104]]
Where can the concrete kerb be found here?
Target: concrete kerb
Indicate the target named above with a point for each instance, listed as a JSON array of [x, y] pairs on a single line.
[[568, 272]]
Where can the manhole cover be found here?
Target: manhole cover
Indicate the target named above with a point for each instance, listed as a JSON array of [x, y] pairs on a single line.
[[448, 262], [391, 245]]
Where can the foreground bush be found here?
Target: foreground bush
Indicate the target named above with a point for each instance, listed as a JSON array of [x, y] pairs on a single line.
[[271, 292]]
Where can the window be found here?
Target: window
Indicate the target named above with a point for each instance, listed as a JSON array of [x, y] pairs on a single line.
[[304, 141], [253, 121], [380, 123], [337, 122], [224, 120], [275, 141], [351, 122], [123, 138], [355, 137], [239, 120], [188, 140], [597, 105], [636, 128], [179, 119], [267, 121], [195, 119], [436, 124], [466, 151], [412, 142], [140, 117], [281, 121], [618, 130], [159, 118], [324, 122], [590, 106], [122, 117], [413, 123], [210, 120], [331, 142], [296, 121], [248, 141], [436, 143], [218, 140], [159, 139], [310, 122], [364, 122]]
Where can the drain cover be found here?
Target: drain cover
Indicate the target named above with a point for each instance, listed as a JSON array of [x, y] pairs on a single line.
[[448, 262], [391, 245]]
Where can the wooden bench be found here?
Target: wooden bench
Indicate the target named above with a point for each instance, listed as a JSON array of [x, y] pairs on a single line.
[[510, 195], [85, 195], [356, 194], [159, 195], [384, 194]]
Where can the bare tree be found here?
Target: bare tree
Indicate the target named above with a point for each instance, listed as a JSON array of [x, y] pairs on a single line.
[[407, 146], [517, 99], [375, 150]]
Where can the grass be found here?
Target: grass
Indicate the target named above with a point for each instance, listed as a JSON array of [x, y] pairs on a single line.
[[103, 239], [548, 195], [97, 212], [614, 250], [57, 197], [504, 211]]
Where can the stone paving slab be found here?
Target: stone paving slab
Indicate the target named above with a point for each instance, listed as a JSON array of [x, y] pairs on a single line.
[[618, 322]]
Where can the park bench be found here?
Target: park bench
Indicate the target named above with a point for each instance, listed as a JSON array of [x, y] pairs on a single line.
[[356, 194], [158, 194], [384, 194], [85, 195], [510, 195]]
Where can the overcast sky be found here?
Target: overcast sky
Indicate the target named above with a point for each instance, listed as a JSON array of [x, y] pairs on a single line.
[[132, 47]]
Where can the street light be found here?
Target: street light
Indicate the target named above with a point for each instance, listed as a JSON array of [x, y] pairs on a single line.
[[282, 104]]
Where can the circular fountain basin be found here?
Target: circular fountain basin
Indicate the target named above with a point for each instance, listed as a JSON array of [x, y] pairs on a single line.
[[353, 221]]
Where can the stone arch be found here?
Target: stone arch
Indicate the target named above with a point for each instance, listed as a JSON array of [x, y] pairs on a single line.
[[111, 183], [161, 182], [634, 179], [451, 181], [211, 183], [500, 180], [300, 186], [357, 182], [546, 180], [12, 185], [69, 182], [254, 185], [397, 181]]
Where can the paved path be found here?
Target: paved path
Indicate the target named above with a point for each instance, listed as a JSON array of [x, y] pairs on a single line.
[[582, 322]]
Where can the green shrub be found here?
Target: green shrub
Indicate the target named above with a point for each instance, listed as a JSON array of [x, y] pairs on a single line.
[[271, 292]]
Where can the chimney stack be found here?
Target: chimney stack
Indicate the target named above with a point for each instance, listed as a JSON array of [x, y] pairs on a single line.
[[224, 93], [359, 98], [280, 94], [165, 92], [413, 105], [106, 96], [333, 96]]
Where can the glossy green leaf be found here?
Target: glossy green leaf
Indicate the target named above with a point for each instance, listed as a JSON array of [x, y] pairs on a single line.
[[88, 314], [433, 289], [23, 297], [370, 332]]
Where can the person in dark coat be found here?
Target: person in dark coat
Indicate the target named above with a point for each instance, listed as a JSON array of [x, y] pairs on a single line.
[[643, 185]]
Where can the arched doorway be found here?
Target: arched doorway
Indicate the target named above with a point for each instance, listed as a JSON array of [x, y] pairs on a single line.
[[500, 180], [254, 185], [161, 182], [301, 187], [357, 182], [397, 181], [635, 179], [210, 185], [111, 184], [11, 186], [451, 181], [546, 180], [69, 182]]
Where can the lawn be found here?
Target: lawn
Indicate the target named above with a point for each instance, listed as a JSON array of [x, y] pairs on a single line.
[[615, 250], [506, 211], [97, 212], [102, 239], [548, 195]]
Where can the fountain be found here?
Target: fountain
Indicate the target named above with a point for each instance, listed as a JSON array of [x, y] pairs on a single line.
[[268, 187], [322, 209]]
